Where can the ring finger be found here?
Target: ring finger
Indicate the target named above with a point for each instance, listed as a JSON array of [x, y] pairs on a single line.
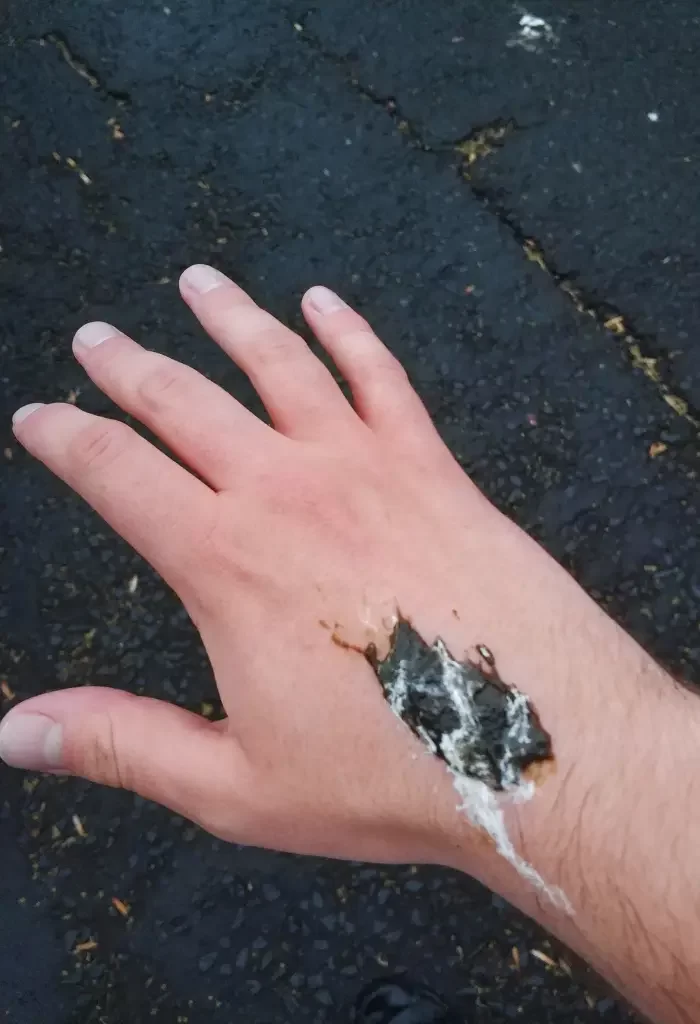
[[199, 422]]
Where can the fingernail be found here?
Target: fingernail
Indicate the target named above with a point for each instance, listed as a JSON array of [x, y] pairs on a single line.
[[31, 741], [202, 279], [92, 335], [325, 301], [25, 411]]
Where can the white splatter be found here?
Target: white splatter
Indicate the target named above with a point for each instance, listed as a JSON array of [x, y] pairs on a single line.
[[653, 115], [482, 805], [532, 33], [484, 809]]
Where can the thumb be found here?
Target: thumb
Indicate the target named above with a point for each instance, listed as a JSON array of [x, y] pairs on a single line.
[[157, 750]]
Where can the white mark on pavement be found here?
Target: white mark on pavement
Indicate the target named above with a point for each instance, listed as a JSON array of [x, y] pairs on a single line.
[[653, 115], [533, 33]]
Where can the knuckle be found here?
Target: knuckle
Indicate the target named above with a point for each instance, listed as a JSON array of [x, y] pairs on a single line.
[[162, 384], [99, 445], [390, 368], [358, 325], [374, 353], [100, 759], [276, 348]]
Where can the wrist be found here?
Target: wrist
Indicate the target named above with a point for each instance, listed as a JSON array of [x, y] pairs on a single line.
[[608, 826]]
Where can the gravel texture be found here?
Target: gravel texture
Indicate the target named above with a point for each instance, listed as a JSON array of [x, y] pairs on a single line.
[[490, 201]]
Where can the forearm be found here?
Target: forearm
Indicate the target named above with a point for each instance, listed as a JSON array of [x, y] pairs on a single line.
[[614, 824], [626, 848]]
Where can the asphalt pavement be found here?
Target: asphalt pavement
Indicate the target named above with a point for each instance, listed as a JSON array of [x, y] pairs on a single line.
[[510, 195]]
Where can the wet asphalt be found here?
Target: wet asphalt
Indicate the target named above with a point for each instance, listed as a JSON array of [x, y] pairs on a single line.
[[513, 204]]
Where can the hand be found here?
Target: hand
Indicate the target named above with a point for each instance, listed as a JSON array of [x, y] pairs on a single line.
[[290, 538], [290, 541]]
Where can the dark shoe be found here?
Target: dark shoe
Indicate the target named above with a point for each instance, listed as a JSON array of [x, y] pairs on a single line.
[[395, 1001]]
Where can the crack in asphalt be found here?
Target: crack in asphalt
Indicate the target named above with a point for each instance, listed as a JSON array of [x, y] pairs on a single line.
[[641, 351], [483, 141], [479, 143], [82, 67], [387, 104], [642, 354]]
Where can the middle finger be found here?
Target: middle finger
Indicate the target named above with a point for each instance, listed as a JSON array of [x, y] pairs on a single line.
[[299, 393]]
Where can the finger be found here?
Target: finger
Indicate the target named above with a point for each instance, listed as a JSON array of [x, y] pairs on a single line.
[[298, 391], [381, 390], [155, 749], [156, 505], [200, 422]]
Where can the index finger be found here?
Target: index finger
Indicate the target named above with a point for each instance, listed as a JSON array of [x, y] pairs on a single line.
[[154, 504]]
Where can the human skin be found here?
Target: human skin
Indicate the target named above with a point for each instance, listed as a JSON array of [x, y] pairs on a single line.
[[317, 529]]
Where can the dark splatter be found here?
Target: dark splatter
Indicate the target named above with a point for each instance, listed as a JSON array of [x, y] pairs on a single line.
[[479, 726]]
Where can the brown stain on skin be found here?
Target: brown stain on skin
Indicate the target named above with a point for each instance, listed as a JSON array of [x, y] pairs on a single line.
[[346, 645], [383, 638], [485, 663], [486, 654], [539, 771]]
